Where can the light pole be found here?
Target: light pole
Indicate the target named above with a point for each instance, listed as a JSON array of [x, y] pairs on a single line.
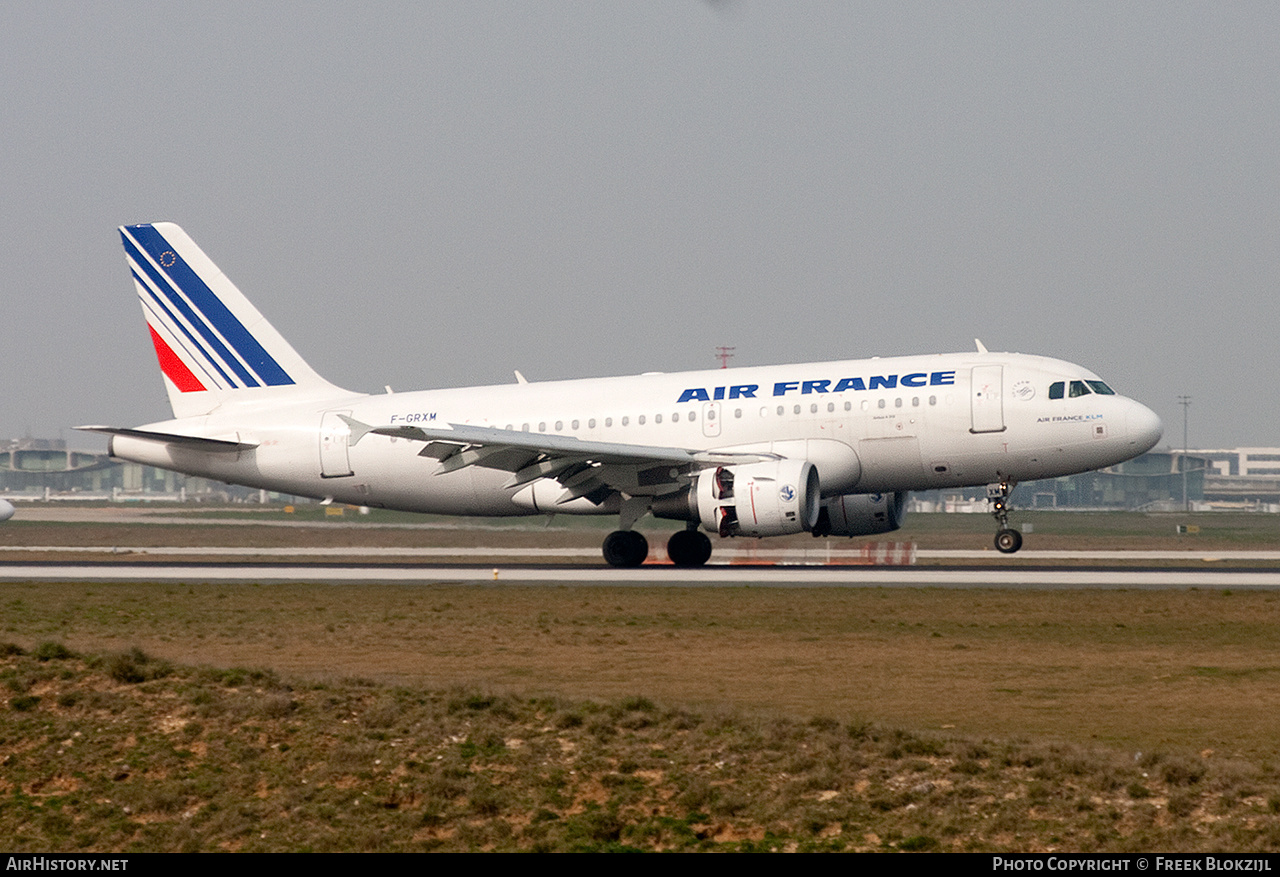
[[1185, 402]]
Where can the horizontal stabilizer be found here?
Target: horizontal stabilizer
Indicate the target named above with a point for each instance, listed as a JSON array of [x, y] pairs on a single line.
[[191, 441]]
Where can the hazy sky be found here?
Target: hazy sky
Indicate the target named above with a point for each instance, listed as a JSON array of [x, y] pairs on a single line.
[[429, 195]]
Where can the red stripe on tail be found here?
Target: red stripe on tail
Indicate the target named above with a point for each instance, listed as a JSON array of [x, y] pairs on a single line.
[[174, 369]]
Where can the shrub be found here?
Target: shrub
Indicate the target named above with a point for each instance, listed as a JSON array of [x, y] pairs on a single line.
[[51, 651]]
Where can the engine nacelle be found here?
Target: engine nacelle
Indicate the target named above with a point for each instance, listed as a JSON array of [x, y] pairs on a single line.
[[759, 499], [861, 514]]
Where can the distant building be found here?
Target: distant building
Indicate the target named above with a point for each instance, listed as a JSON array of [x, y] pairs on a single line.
[[46, 469], [1241, 476], [1234, 479]]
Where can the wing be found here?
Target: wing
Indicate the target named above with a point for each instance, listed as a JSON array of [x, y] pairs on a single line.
[[583, 468]]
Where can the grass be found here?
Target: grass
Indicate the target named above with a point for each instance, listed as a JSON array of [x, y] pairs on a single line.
[[1142, 669], [203, 758], [371, 717]]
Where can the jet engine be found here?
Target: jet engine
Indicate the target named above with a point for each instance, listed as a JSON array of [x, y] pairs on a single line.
[[774, 498], [861, 514]]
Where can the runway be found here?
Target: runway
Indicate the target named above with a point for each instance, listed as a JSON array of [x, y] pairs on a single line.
[[723, 556], [648, 575]]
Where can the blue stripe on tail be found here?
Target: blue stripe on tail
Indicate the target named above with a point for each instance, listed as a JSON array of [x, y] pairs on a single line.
[[215, 313]]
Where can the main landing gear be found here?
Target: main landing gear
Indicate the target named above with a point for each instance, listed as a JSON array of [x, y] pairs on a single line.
[[1008, 540], [625, 548], [689, 547]]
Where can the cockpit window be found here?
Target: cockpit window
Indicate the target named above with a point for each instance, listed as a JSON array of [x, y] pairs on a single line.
[[1079, 388]]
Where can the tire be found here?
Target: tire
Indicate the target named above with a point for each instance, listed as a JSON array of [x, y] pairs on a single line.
[[689, 548], [625, 548], [1008, 541]]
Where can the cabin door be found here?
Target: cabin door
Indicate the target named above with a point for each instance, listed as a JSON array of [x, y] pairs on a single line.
[[986, 398], [334, 436]]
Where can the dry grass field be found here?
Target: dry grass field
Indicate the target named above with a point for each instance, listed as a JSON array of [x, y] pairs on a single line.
[[1139, 669], [1112, 719]]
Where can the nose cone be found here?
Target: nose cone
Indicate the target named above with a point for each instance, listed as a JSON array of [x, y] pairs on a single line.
[[1143, 428]]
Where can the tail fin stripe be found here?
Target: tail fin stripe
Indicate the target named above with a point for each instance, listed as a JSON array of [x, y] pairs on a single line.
[[173, 367], [158, 292], [157, 282], [159, 315], [208, 303]]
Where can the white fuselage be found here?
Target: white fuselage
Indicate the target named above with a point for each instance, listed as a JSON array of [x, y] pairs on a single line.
[[875, 425]]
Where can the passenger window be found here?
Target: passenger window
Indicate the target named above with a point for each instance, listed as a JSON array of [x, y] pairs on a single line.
[[1078, 389], [1055, 389]]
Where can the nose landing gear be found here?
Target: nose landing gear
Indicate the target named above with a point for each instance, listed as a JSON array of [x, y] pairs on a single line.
[[1007, 539]]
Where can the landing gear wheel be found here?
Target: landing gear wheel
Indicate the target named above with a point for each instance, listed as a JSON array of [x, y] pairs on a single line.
[[1008, 541], [625, 548], [689, 548]]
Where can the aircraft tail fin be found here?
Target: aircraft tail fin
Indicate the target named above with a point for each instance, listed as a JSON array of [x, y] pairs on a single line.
[[212, 344]]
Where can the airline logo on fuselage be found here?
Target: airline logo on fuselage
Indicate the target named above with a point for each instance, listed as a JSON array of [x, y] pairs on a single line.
[[805, 388]]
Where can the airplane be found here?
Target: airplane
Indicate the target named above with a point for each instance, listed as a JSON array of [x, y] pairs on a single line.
[[828, 448], [6, 510]]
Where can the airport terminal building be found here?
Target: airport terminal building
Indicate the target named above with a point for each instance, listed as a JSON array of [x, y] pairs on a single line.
[[38, 469]]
